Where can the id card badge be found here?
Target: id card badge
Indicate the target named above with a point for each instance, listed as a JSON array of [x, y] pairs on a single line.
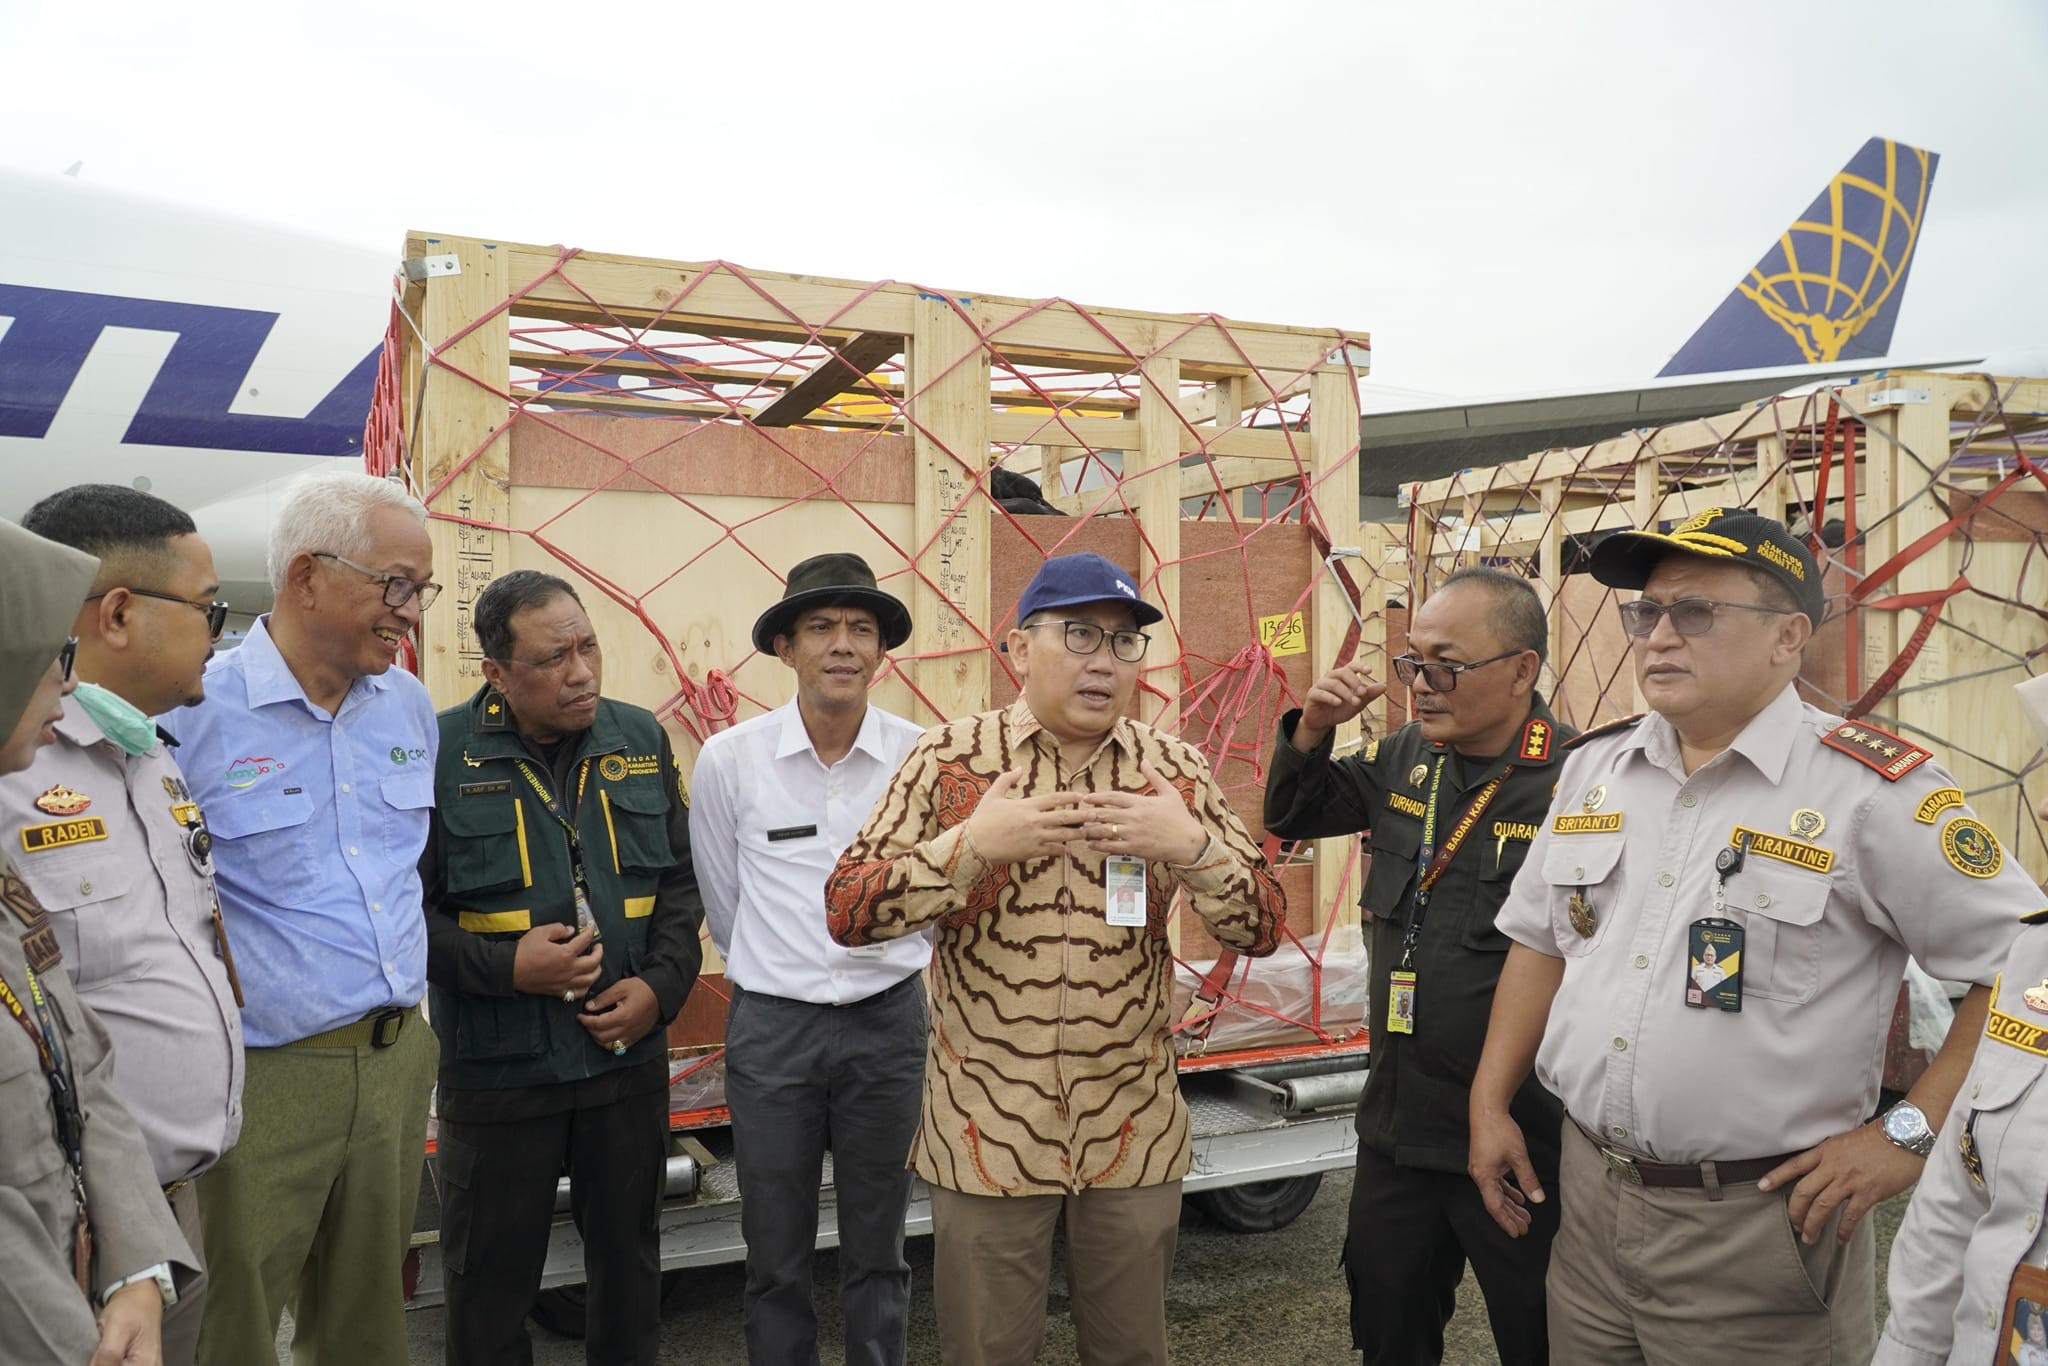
[[1713, 967], [1123, 887], [1401, 1002]]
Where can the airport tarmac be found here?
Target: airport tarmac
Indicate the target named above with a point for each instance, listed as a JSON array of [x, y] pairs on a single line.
[[1236, 1300]]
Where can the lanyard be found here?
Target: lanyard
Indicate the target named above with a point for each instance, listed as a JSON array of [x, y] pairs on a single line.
[[579, 879], [56, 1069], [1431, 861]]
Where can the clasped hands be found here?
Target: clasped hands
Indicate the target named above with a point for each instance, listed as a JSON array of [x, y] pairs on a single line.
[[564, 962], [1145, 825]]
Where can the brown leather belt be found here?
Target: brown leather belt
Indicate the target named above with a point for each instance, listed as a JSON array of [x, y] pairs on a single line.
[[1641, 1171]]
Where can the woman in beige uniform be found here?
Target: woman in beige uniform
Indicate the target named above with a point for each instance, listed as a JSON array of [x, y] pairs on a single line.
[[1972, 1246], [89, 1251]]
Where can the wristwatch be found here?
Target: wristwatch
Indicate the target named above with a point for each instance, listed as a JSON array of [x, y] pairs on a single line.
[[1906, 1126]]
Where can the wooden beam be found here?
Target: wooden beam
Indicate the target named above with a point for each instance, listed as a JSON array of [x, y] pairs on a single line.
[[1270, 444], [466, 414], [843, 370], [1333, 447], [948, 411], [1155, 488], [717, 298]]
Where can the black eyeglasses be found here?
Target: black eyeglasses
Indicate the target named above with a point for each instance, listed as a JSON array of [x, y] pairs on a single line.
[[1085, 638], [398, 590], [216, 612], [67, 659], [1689, 616], [1440, 677]]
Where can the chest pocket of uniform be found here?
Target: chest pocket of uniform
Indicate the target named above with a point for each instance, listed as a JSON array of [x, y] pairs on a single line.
[[1780, 913], [269, 828], [1996, 1095], [484, 846], [1587, 867], [1395, 839], [1499, 862], [636, 818], [83, 896]]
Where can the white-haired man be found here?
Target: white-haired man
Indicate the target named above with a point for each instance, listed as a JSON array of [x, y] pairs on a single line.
[[313, 759]]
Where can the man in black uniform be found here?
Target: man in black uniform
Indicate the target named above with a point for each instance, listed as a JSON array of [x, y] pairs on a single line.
[[1451, 801], [562, 921]]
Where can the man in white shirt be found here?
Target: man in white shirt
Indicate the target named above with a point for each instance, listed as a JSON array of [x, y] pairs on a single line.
[[825, 1046]]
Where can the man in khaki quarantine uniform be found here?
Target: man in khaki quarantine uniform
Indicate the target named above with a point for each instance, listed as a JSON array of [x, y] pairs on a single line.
[[1974, 1245], [1719, 1155], [117, 851]]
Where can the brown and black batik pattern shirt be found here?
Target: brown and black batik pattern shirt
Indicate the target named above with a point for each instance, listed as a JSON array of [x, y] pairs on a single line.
[[1051, 1065]]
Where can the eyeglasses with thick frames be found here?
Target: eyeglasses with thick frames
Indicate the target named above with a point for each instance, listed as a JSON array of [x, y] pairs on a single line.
[[67, 659], [216, 612], [1440, 677], [1085, 638], [398, 590], [1689, 616]]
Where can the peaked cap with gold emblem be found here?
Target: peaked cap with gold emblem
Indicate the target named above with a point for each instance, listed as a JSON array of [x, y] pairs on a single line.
[[1626, 559]]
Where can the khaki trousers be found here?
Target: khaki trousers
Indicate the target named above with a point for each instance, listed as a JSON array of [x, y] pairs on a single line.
[[313, 1208], [181, 1320], [993, 1270], [1657, 1275]]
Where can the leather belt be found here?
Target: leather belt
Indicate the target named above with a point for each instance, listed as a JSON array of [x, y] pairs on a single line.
[[1641, 1171], [379, 1029]]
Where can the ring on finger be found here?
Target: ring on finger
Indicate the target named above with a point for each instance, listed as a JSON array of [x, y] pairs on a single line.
[[1116, 832], [569, 997]]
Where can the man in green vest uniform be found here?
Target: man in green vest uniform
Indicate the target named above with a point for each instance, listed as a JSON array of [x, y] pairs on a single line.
[[562, 918]]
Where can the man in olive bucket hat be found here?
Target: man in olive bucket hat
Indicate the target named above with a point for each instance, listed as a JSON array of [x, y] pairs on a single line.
[[825, 1045], [90, 1253]]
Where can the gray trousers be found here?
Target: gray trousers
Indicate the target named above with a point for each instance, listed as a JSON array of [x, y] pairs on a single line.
[[802, 1078]]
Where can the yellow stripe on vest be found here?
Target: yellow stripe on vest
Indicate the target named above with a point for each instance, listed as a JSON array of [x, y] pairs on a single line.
[[525, 863], [639, 907], [605, 799], [496, 922]]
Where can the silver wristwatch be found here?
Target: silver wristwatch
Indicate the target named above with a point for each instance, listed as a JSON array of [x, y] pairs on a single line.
[[1906, 1126]]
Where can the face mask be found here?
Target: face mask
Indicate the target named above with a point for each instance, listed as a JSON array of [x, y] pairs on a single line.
[[123, 723]]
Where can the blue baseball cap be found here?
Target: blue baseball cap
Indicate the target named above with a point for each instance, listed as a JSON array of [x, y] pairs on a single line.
[[1072, 580]]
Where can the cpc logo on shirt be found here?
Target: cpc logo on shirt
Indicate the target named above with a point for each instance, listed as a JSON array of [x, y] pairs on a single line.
[[245, 772]]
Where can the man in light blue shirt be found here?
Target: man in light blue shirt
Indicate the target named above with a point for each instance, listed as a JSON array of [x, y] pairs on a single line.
[[313, 759]]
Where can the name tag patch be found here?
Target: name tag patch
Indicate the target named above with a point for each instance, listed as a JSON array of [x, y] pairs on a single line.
[[1406, 805], [1794, 852], [1591, 823], [37, 838], [498, 788], [2011, 1029], [1514, 830], [792, 832]]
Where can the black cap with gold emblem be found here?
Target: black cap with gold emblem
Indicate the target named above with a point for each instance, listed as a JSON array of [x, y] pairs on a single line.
[[1626, 559]]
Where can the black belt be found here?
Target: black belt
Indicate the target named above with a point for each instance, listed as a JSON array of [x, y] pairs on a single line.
[[1641, 1171], [905, 985]]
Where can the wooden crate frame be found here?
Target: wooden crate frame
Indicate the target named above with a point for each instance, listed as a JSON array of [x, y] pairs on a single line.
[[1913, 425], [1198, 377]]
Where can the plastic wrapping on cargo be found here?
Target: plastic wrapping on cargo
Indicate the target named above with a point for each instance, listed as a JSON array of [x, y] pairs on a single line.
[[1285, 986]]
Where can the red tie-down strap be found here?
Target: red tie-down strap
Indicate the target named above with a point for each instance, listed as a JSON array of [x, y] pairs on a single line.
[[1931, 601]]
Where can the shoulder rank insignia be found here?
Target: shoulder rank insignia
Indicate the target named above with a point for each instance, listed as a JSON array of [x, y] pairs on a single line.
[[1880, 751], [1536, 737], [62, 801], [1611, 728]]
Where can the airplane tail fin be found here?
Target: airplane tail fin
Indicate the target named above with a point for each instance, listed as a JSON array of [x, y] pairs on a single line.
[[1829, 288]]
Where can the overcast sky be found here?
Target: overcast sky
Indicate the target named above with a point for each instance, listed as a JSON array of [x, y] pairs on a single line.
[[1509, 197]]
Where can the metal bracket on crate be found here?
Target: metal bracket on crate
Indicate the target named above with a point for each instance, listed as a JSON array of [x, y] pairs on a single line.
[[1349, 552], [418, 268]]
